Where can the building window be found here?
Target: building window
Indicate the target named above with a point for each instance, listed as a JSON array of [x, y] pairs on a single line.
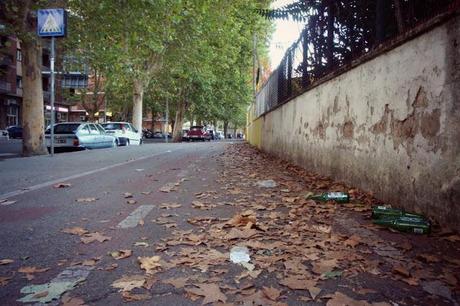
[[18, 81], [19, 55], [12, 115]]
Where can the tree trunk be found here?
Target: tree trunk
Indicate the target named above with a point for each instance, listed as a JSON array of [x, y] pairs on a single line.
[[225, 128], [179, 121], [138, 96], [33, 117]]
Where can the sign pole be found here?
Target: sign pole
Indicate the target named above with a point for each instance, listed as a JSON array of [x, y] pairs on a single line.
[[167, 120], [52, 94], [52, 23]]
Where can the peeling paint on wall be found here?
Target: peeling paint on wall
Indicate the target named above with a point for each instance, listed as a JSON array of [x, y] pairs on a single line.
[[390, 125]]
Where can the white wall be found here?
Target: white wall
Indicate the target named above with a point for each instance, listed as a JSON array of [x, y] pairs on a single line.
[[390, 125]]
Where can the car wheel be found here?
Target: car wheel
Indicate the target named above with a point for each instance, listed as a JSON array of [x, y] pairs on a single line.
[[117, 143], [127, 142], [141, 141], [114, 144]]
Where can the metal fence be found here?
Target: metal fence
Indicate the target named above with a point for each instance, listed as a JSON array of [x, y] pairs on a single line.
[[339, 32]]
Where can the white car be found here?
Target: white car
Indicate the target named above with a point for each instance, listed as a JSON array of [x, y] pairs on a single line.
[[125, 133], [79, 136]]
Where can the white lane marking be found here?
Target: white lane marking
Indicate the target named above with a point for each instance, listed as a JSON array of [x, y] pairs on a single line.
[[137, 215], [53, 182], [65, 281]]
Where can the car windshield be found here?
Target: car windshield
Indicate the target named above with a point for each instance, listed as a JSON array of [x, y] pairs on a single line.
[[64, 128], [196, 128], [112, 126]]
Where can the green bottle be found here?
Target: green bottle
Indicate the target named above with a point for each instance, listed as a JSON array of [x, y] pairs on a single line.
[[339, 197], [380, 212], [406, 224]]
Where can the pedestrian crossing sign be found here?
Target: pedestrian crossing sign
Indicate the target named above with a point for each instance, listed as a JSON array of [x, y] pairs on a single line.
[[51, 22]]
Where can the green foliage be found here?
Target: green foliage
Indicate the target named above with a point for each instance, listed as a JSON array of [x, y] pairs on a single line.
[[198, 51]]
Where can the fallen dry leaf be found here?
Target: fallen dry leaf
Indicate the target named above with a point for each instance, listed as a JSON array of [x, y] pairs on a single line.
[[340, 299], [178, 282], [296, 283], [127, 195], [5, 280], [131, 202], [30, 270], [168, 187], [314, 291], [91, 237], [324, 266], [6, 261], [75, 231], [429, 258], [170, 205], [128, 283], [272, 293], [90, 262], [211, 293], [6, 202], [399, 269], [111, 267], [150, 264], [67, 300], [120, 254], [353, 241], [62, 185], [131, 297]]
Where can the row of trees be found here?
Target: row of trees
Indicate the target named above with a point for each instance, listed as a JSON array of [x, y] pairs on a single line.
[[195, 54]]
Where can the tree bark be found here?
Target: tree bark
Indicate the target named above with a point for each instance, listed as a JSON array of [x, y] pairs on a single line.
[[33, 117], [138, 96], [179, 121], [225, 128]]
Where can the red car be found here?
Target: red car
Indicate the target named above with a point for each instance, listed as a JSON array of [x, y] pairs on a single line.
[[198, 133]]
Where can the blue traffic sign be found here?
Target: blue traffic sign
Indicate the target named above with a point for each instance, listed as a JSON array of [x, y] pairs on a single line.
[[51, 22]]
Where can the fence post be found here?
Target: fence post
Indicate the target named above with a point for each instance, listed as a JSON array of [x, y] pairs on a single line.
[[289, 73]]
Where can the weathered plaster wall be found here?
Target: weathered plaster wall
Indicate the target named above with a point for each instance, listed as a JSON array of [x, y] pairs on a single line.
[[390, 125]]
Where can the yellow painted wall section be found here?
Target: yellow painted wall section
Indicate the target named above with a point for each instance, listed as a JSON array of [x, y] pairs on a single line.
[[254, 128]]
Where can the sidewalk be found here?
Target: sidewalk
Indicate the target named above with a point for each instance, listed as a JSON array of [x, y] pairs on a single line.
[[301, 252]]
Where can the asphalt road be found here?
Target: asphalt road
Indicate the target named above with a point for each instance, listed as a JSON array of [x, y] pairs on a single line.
[[31, 227]]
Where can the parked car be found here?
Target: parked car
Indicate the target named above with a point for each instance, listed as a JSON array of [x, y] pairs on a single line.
[[185, 136], [146, 133], [14, 131], [212, 134], [125, 133], [198, 132], [219, 135], [79, 136]]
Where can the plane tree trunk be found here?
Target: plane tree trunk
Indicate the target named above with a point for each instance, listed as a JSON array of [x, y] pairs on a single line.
[[179, 120], [138, 96], [33, 116]]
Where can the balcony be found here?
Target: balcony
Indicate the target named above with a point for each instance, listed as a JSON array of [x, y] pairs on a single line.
[[5, 87]]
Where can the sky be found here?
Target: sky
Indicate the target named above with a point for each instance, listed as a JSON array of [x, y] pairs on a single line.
[[287, 32]]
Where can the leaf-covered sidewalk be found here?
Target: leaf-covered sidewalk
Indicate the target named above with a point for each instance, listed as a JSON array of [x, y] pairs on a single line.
[[301, 251], [304, 251]]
